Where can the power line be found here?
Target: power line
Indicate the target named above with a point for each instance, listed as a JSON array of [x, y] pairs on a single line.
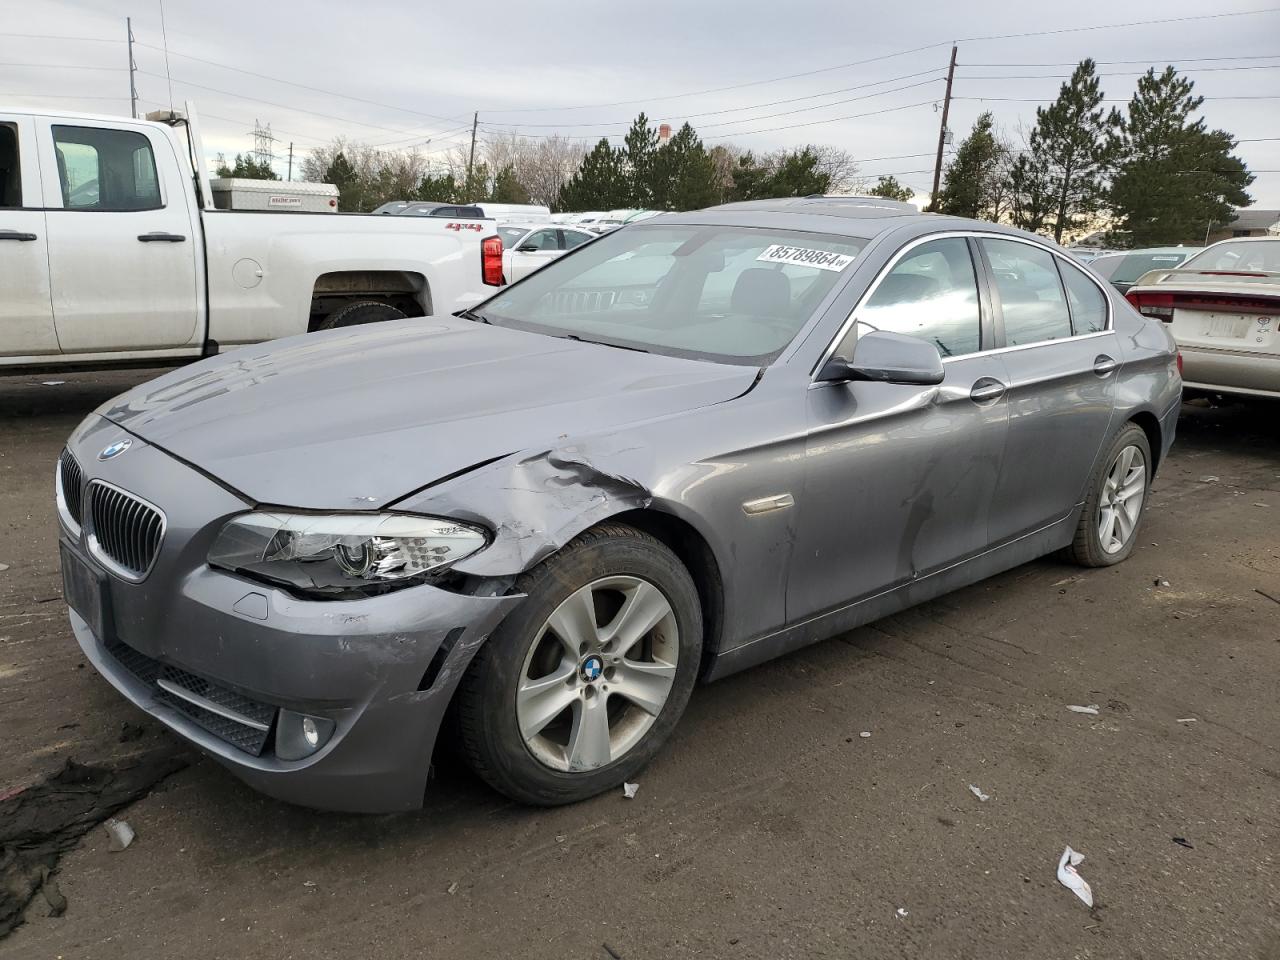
[[770, 116], [53, 36], [63, 96], [750, 106], [302, 86], [1260, 96], [1126, 73], [901, 53], [1112, 63], [60, 66], [814, 123], [274, 103], [822, 106]]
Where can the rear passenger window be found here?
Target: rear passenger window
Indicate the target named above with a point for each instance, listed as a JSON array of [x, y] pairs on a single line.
[[10, 174], [1088, 305], [1030, 290], [100, 169], [931, 293]]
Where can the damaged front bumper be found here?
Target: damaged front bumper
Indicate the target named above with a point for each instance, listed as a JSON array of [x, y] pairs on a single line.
[[324, 703]]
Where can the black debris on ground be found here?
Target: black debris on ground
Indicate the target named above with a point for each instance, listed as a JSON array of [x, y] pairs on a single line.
[[43, 821]]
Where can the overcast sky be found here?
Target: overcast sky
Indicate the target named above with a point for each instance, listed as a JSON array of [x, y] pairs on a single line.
[[404, 73]]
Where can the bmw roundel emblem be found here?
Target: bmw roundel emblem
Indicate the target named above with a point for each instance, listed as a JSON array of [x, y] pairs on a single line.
[[591, 668], [115, 449]]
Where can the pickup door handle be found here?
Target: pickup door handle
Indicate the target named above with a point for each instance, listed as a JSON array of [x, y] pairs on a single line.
[[986, 390], [159, 237], [15, 235], [1103, 365]]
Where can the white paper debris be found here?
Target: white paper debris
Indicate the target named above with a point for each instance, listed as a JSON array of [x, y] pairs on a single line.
[[865, 734], [1208, 479], [1186, 720], [1069, 878], [977, 792], [120, 834], [3, 567], [453, 888], [54, 383], [902, 911], [1076, 708], [629, 790]]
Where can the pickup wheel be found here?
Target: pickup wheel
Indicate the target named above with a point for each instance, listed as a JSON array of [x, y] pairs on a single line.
[[362, 311]]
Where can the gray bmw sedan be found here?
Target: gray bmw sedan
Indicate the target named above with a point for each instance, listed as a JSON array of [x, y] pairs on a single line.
[[685, 448]]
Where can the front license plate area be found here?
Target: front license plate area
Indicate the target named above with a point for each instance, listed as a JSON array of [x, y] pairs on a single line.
[[85, 591]]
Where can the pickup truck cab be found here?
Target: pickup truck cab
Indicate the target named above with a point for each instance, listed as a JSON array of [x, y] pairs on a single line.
[[111, 252]]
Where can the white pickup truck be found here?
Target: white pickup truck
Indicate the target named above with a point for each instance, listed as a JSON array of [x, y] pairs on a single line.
[[111, 252]]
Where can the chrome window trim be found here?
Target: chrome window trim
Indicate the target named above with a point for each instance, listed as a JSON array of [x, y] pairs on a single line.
[[96, 550], [60, 498], [910, 245]]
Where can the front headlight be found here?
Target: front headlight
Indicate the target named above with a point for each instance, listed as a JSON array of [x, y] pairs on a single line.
[[342, 554]]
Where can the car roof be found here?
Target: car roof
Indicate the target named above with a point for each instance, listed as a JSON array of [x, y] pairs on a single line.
[[859, 217]]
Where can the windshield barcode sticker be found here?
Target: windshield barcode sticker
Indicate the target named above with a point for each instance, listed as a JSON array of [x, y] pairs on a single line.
[[804, 257]]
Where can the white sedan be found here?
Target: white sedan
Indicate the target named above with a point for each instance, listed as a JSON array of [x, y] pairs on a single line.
[[526, 247]]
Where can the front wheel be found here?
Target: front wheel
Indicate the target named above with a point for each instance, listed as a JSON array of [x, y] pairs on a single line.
[[1108, 527], [582, 684]]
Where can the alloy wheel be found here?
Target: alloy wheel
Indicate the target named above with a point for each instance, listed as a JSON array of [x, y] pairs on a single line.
[[597, 674], [1120, 505]]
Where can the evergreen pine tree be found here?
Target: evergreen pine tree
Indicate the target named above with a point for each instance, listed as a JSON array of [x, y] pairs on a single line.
[[1175, 177]]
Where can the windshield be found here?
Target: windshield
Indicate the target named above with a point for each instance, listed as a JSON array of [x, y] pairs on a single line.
[[1238, 255], [511, 236], [1126, 268], [731, 294]]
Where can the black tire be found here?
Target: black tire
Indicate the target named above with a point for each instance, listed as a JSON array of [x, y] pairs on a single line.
[[360, 312], [487, 723], [1086, 549]]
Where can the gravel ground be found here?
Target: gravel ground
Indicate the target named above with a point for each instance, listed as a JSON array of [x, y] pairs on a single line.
[[769, 827]]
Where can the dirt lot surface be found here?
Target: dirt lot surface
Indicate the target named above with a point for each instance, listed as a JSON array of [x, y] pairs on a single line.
[[771, 826]]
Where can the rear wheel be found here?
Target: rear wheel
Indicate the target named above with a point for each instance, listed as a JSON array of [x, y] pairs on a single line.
[[579, 688], [1108, 526], [360, 312]]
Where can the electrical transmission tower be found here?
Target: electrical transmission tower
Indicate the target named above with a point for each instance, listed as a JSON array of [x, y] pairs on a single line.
[[263, 152]]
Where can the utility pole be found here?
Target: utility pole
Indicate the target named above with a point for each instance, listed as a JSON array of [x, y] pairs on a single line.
[[942, 132], [471, 160], [290, 177], [133, 69]]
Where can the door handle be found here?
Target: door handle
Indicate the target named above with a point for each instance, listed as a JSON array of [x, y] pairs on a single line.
[[986, 390], [1104, 365], [15, 235], [160, 237]]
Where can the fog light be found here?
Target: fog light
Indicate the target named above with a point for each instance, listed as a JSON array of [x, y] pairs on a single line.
[[298, 735], [310, 733]]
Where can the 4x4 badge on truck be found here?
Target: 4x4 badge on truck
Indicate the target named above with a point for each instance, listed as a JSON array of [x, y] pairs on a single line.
[[117, 448]]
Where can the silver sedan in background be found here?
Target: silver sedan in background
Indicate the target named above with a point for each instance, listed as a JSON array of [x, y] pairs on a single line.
[[682, 449]]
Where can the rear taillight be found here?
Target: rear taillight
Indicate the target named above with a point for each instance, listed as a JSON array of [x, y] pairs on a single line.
[[1156, 305], [491, 261], [1179, 363]]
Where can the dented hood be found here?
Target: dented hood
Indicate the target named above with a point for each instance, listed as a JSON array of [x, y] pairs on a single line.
[[360, 417]]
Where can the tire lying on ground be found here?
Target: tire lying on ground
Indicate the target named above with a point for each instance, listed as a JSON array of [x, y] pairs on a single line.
[[362, 311], [1117, 497], [582, 684]]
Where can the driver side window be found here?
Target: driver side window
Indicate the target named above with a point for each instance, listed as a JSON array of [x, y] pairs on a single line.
[[931, 293]]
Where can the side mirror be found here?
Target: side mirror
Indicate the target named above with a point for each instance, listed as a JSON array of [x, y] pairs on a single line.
[[888, 358]]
